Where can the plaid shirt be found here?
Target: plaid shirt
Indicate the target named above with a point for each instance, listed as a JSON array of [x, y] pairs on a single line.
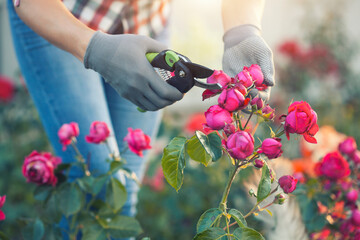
[[145, 17]]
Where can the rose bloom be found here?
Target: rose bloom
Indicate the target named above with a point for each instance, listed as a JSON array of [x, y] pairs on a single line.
[[267, 110], [333, 166], [257, 102], [39, 168], [240, 145], [301, 119], [256, 74], [355, 217], [348, 146], [217, 117], [99, 132], [217, 77], [2, 202], [7, 89], [355, 157], [288, 183], [67, 132], [232, 100], [244, 78], [137, 141], [352, 195], [271, 147]]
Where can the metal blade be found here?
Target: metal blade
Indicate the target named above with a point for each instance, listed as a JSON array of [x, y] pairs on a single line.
[[211, 86], [198, 70]]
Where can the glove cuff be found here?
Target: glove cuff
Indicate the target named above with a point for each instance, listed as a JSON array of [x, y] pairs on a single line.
[[239, 33], [92, 50]]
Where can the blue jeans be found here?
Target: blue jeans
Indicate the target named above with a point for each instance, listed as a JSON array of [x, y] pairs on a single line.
[[64, 91]]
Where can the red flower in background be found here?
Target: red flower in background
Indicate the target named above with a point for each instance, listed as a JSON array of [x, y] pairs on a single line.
[[2, 202], [195, 123], [333, 166], [67, 133], [292, 49], [137, 141], [7, 89], [39, 168], [99, 132]]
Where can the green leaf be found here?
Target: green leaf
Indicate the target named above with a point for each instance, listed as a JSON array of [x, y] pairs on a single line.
[[207, 219], [115, 166], [34, 230], [63, 166], [122, 226], [173, 162], [238, 217], [70, 199], [211, 234], [247, 234], [51, 211], [211, 144], [41, 193], [86, 183], [3, 236], [93, 231], [197, 152], [264, 185], [99, 183], [116, 194]]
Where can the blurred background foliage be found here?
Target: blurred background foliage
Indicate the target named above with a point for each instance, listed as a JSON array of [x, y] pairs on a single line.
[[320, 66]]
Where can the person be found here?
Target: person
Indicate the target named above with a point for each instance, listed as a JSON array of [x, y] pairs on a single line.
[[84, 60]]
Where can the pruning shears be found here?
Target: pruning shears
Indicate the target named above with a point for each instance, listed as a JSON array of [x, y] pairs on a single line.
[[179, 71]]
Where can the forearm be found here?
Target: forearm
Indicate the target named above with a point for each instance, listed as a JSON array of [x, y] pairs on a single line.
[[238, 12], [51, 20]]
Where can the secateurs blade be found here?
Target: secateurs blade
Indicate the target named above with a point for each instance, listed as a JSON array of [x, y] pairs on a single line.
[[179, 71]]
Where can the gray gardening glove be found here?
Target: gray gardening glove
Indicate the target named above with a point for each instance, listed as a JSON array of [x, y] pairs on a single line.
[[244, 46], [121, 60]]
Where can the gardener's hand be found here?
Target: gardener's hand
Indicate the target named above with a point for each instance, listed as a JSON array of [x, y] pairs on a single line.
[[121, 60], [244, 46]]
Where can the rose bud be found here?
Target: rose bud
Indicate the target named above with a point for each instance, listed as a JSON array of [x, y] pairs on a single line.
[[279, 199], [244, 78], [137, 141], [39, 168], [288, 183], [67, 133], [348, 146], [355, 217], [272, 175], [352, 196], [2, 202], [217, 117], [232, 100], [271, 147], [99, 132], [259, 163], [268, 112], [333, 166], [258, 103], [240, 145], [217, 77], [256, 74], [355, 157], [229, 129], [301, 119]]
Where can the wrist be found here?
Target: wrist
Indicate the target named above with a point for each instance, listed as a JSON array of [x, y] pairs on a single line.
[[239, 33], [83, 40]]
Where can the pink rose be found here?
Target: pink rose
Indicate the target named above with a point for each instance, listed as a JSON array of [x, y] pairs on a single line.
[[259, 163], [39, 168], [217, 77], [268, 111], [217, 117], [333, 166], [257, 102], [348, 146], [256, 74], [288, 183], [355, 157], [7, 89], [271, 147], [352, 196], [232, 100], [67, 133], [2, 202], [137, 141], [355, 217], [99, 132], [229, 129], [240, 145], [301, 119], [244, 78]]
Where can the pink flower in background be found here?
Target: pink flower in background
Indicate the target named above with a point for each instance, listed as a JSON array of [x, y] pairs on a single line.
[[352, 195], [217, 77], [301, 119], [333, 166], [355, 157], [232, 99], [67, 133], [137, 141], [217, 117], [348, 146], [39, 168], [240, 145], [7, 89], [2, 202], [355, 217], [288, 183], [99, 132], [271, 147]]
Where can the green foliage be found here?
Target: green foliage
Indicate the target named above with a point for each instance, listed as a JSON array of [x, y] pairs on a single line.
[[207, 219], [212, 234], [115, 194], [34, 230], [70, 199], [264, 187], [238, 217], [247, 234]]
